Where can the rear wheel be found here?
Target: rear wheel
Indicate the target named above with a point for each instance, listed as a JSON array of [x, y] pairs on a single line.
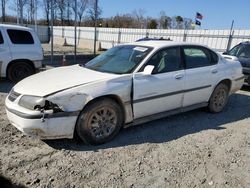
[[99, 122], [19, 70], [219, 98]]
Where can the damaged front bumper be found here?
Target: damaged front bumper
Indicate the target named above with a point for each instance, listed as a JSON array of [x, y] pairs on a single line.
[[43, 125]]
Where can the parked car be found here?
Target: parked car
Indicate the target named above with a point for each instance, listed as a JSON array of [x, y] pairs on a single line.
[[126, 85], [242, 52], [21, 52], [156, 38]]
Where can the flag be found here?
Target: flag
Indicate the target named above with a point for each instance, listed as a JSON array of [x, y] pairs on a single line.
[[199, 16], [197, 22]]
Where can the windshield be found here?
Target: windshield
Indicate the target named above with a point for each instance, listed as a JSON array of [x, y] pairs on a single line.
[[120, 59], [235, 50]]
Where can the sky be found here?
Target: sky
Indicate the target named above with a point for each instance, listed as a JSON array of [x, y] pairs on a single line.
[[218, 14]]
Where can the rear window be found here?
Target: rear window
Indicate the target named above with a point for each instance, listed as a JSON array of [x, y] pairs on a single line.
[[20, 37], [1, 38]]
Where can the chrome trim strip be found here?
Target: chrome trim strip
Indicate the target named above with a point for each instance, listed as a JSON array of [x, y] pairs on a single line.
[[169, 94]]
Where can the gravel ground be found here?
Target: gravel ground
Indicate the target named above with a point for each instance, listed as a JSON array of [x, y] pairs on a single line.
[[194, 149], [60, 49]]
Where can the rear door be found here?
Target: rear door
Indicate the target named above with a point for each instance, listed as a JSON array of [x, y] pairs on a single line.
[[5, 55], [161, 91], [201, 74]]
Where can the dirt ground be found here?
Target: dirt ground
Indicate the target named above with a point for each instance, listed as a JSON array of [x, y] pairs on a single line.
[[194, 149]]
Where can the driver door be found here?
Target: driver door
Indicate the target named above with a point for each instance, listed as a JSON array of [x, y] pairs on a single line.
[[163, 89]]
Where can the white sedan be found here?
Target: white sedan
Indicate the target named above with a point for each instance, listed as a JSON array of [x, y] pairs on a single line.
[[127, 85]]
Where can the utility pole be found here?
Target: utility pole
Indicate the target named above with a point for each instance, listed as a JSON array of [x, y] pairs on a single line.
[[51, 31], [17, 12], [95, 37], [75, 31], [35, 15]]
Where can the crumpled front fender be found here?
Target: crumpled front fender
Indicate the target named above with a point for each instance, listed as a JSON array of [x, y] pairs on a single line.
[[68, 102]]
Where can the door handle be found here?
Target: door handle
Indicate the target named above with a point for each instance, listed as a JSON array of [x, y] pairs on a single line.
[[178, 76], [214, 71]]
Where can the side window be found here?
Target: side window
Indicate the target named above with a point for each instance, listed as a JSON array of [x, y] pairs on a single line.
[[1, 38], [166, 60], [20, 37], [245, 52], [199, 57], [214, 58]]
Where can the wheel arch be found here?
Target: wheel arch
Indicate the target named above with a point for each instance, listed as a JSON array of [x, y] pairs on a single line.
[[213, 107], [113, 97], [29, 62], [227, 82]]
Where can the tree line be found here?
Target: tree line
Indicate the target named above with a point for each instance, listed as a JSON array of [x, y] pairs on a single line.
[[26, 12]]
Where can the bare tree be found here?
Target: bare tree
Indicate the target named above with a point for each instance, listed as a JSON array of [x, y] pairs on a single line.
[[139, 16], [187, 23], [32, 8], [20, 5], [61, 4], [164, 20], [3, 4], [81, 6], [47, 5], [91, 12], [68, 10]]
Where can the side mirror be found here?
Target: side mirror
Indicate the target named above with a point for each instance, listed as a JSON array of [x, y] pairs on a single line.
[[148, 70], [224, 53]]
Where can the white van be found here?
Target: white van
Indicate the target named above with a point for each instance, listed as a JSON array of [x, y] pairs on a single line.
[[21, 53]]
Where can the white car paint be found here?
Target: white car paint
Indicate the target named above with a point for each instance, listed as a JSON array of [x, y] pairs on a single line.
[[10, 52], [60, 79], [148, 86], [73, 87]]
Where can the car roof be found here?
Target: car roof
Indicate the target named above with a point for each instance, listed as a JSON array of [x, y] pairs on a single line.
[[15, 27], [164, 43], [156, 38], [245, 43]]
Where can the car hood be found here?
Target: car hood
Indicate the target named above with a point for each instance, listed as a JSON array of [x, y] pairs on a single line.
[[58, 79]]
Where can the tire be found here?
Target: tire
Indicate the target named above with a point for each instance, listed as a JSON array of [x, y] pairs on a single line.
[[99, 122], [19, 70], [219, 98]]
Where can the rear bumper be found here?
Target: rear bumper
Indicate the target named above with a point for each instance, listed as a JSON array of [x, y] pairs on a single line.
[[237, 84]]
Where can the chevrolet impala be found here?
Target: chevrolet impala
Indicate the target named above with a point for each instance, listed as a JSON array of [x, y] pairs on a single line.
[[127, 85]]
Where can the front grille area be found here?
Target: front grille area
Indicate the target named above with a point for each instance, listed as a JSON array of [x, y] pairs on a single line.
[[13, 96]]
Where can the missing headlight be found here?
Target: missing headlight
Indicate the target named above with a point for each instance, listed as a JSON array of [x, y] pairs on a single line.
[[49, 106]]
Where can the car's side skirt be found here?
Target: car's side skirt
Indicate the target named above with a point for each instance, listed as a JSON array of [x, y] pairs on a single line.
[[165, 114]]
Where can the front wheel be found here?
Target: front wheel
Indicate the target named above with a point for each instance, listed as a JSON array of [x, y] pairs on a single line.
[[219, 98], [99, 122]]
